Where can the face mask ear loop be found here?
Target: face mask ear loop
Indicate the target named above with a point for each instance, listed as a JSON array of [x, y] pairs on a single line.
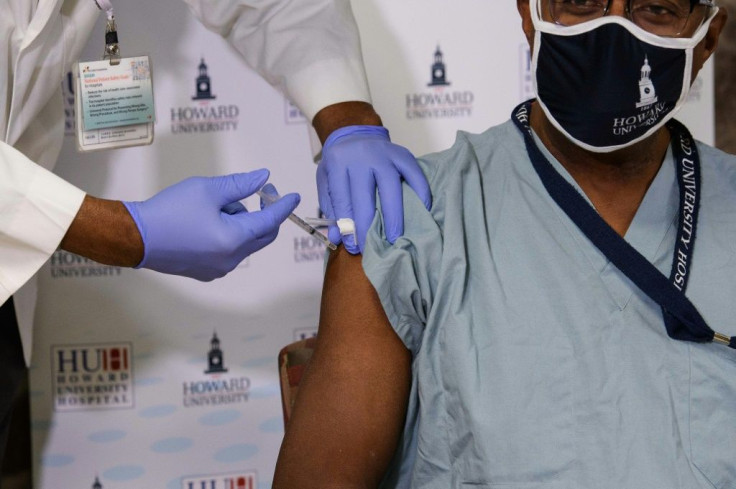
[[689, 54], [703, 29], [535, 10], [538, 32], [535, 5], [688, 79], [712, 12]]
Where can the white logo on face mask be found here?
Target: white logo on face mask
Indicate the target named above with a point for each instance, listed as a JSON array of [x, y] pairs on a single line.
[[648, 95]]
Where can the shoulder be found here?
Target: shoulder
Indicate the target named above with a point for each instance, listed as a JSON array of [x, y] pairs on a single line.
[[493, 146], [719, 167], [470, 167], [715, 157]]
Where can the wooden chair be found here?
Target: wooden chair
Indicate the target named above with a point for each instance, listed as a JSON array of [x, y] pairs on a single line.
[[293, 360]]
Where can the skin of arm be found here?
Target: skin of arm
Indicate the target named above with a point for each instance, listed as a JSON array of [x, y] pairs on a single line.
[[104, 231], [350, 411], [344, 114]]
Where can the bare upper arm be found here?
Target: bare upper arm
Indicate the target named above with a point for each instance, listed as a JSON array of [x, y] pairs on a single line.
[[350, 410]]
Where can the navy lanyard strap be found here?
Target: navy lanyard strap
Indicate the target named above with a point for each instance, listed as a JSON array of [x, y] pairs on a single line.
[[682, 320]]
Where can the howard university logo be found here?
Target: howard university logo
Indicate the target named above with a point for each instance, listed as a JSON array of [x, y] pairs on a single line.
[[97, 376], [440, 102], [216, 388], [203, 84], [205, 116], [647, 92], [649, 107], [215, 363], [63, 264], [438, 71]]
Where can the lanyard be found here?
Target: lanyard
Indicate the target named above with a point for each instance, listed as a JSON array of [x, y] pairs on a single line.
[[105, 5], [682, 320]]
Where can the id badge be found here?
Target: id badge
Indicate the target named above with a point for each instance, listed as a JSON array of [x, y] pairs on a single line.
[[114, 103], [113, 97]]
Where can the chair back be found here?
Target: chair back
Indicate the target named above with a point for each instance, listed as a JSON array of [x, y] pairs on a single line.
[[293, 360]]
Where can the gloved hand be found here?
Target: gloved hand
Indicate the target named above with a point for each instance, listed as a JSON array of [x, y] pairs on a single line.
[[356, 160], [199, 229]]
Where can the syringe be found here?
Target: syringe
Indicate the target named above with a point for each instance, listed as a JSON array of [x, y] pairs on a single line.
[[270, 198], [345, 225]]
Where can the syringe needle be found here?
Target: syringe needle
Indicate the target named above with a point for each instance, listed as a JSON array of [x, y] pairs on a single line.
[[270, 199]]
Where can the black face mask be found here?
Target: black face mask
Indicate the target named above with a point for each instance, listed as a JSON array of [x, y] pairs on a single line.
[[607, 84]]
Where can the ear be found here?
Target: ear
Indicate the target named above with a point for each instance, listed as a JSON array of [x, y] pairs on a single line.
[[526, 20], [708, 45]]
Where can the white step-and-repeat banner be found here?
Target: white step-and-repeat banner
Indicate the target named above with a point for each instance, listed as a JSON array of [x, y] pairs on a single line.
[[141, 380]]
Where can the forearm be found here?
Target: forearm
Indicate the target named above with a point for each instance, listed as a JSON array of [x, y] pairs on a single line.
[[344, 114], [104, 231]]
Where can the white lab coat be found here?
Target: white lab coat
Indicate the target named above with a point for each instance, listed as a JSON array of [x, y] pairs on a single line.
[[309, 49]]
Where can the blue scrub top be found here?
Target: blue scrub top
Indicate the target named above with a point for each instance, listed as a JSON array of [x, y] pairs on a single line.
[[538, 364]]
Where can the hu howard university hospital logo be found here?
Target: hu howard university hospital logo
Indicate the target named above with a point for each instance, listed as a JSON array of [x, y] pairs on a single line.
[[96, 376]]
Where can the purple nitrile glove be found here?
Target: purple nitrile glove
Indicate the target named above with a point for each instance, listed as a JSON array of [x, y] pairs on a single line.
[[355, 161], [198, 228]]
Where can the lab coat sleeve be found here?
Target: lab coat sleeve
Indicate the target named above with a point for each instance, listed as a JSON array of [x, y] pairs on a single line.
[[307, 49], [36, 209]]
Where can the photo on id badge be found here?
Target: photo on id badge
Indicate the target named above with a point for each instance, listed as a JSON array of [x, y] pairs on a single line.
[[114, 103]]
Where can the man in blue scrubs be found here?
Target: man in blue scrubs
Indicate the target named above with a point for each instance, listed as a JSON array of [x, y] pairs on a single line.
[[562, 317]]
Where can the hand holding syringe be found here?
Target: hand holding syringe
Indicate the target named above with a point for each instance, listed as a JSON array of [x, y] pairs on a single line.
[[269, 195]]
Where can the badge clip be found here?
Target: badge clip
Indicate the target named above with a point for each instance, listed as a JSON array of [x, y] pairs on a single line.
[[112, 47]]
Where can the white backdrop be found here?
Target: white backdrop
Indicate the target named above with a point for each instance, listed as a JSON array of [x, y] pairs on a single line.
[[120, 392]]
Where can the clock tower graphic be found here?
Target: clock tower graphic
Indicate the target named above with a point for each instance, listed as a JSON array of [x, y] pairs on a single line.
[[438, 70], [203, 84], [647, 93], [214, 357]]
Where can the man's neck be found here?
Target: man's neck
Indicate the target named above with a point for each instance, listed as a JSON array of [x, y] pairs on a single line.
[[614, 182]]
